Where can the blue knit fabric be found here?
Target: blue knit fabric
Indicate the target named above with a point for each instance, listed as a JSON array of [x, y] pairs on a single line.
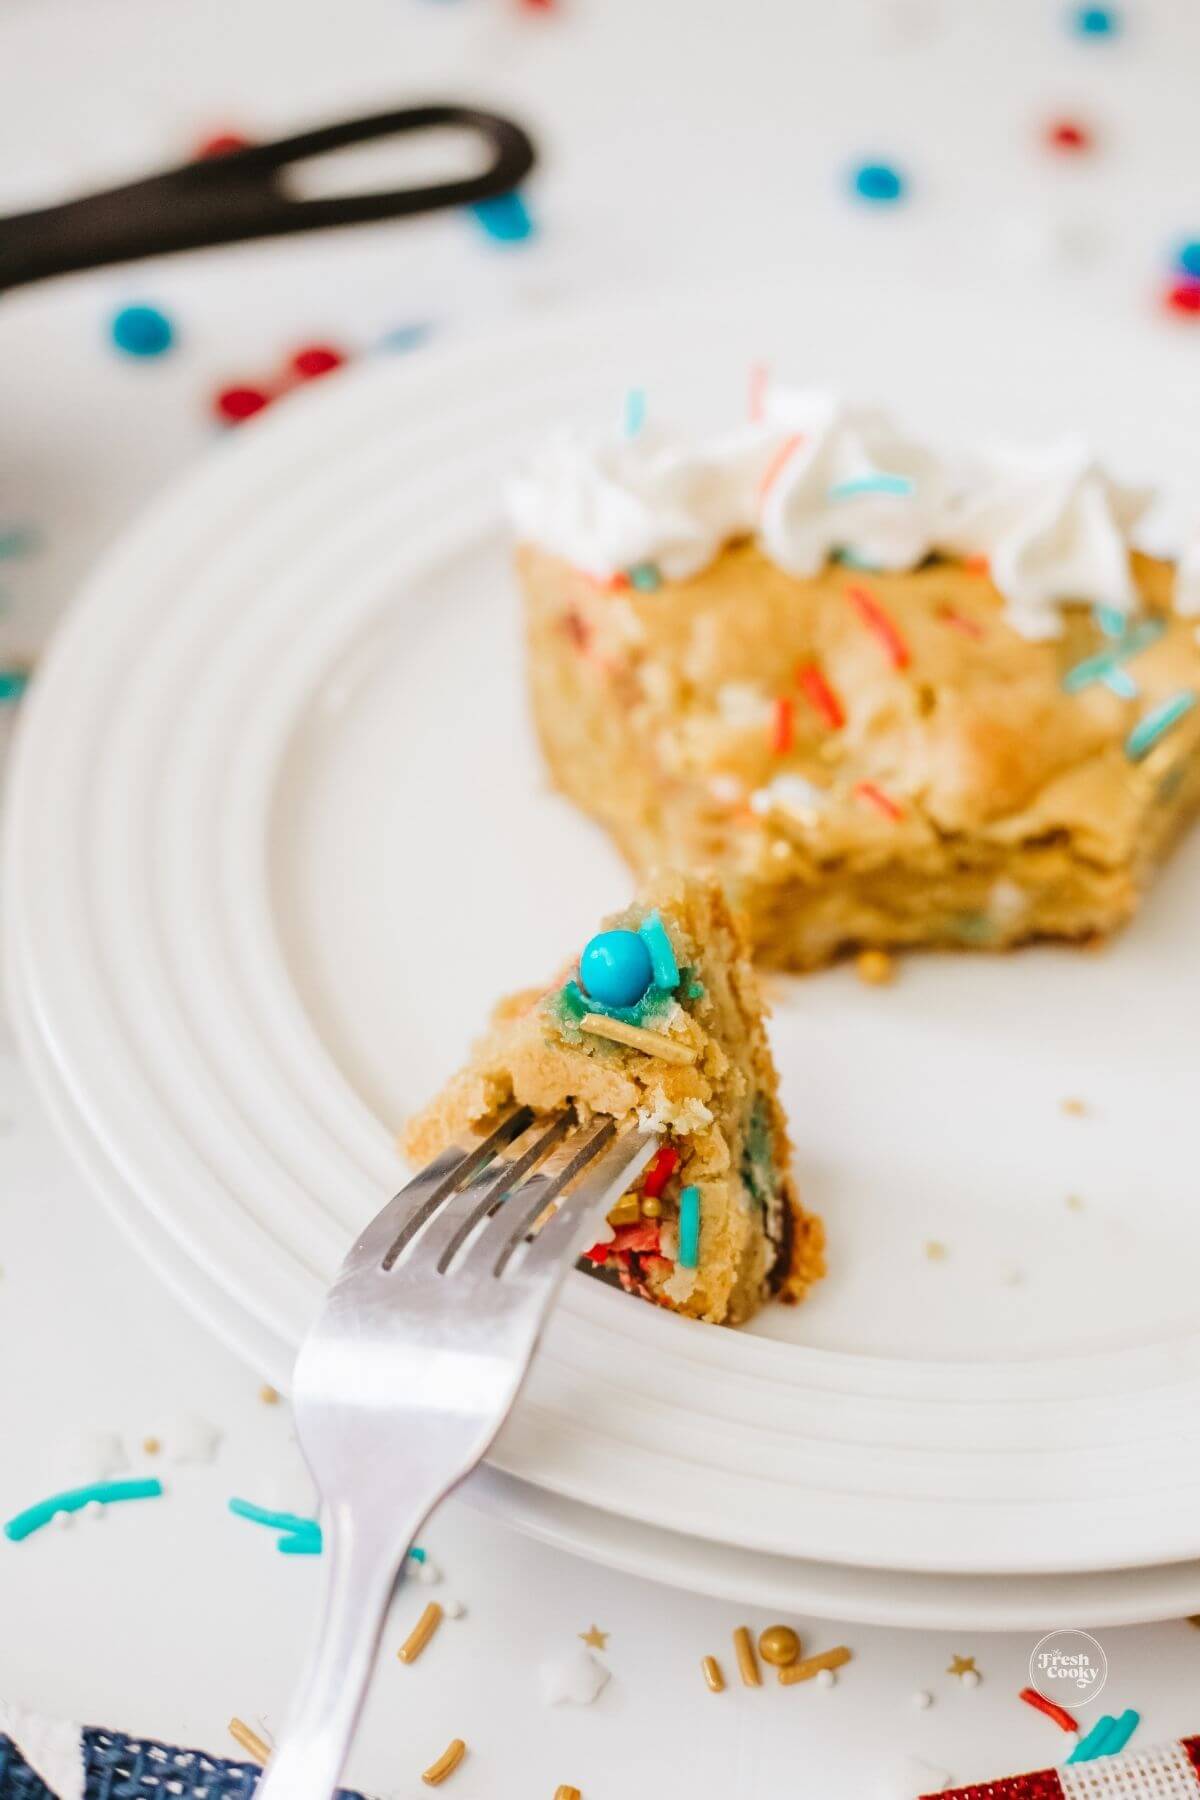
[[123, 1768]]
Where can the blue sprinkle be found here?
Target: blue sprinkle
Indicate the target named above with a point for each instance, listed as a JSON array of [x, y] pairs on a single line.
[[1101, 666], [689, 1228], [1111, 622], [405, 337], [645, 578], [1188, 258], [142, 331], [1157, 723], [880, 483], [1096, 21], [1120, 683], [13, 683], [23, 1524], [635, 411], [878, 182], [616, 968], [653, 934], [505, 218]]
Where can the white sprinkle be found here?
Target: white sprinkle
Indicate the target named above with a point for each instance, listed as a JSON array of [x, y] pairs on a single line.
[[970, 1678], [95, 1509], [453, 1609], [922, 1699], [428, 1573], [63, 1521], [575, 1676], [826, 1678]]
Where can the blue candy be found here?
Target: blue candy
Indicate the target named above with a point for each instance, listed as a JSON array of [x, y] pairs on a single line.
[[142, 331], [878, 182], [1189, 258], [615, 968]]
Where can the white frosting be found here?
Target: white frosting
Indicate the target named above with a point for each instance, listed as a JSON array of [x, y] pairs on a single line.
[[816, 477], [850, 481], [1053, 526]]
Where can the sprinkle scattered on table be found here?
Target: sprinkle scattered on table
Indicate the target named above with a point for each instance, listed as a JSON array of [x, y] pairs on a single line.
[[446, 1763], [713, 1676], [60, 1506], [813, 1666], [879, 183], [962, 1665], [747, 1662], [505, 218], [249, 1741], [1071, 136], [1075, 1109], [594, 1638], [421, 1633]]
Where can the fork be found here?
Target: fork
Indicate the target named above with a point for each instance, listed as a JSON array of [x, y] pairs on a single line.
[[410, 1369]]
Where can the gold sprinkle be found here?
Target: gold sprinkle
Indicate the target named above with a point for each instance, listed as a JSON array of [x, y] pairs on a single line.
[[962, 1665], [1074, 1203], [936, 1252], [812, 1665], [651, 1207], [713, 1675], [743, 1645], [151, 1446], [446, 1763], [651, 1043], [1077, 1109], [565, 1792], [627, 1211], [268, 1395], [778, 1645], [595, 1638], [420, 1634], [249, 1740], [875, 967]]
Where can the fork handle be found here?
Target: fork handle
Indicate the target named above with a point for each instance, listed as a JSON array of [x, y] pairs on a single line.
[[364, 1569]]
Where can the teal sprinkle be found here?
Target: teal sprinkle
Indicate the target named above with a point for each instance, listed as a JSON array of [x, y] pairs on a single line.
[[645, 578], [1121, 684], [880, 483], [1157, 723], [18, 540], [1111, 622], [505, 218], [689, 1228], [24, 1524], [635, 411], [299, 1536], [13, 683], [405, 337], [1100, 666], [695, 990], [653, 934]]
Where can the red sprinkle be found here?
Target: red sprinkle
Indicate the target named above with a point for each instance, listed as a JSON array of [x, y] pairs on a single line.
[[820, 695], [1069, 135], [775, 466], [873, 615], [314, 360], [660, 1171], [968, 627], [1184, 297], [866, 790], [222, 143], [783, 726], [1059, 1714], [977, 565], [233, 404]]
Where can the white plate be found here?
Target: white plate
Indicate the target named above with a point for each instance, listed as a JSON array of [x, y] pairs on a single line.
[[277, 838]]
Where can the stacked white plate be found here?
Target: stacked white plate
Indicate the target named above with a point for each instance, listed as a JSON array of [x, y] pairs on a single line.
[[278, 837]]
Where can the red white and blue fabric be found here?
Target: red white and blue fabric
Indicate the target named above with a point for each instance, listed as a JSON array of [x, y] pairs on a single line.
[[1171, 1772]]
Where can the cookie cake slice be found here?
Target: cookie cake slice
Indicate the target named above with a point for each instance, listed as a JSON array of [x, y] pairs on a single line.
[[659, 1024]]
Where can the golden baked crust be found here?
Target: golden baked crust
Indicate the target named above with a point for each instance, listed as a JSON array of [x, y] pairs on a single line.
[[720, 1113], [868, 759]]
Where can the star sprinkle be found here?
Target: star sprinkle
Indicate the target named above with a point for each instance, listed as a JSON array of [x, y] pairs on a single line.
[[962, 1665], [595, 1639]]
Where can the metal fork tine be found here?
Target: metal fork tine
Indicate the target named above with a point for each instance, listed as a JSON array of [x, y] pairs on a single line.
[[530, 1202], [621, 1164], [399, 1221], [454, 1225]]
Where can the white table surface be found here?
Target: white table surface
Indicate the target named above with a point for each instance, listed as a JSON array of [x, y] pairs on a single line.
[[679, 138]]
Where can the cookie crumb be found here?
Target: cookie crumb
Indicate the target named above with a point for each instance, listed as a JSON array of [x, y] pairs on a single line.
[[875, 967]]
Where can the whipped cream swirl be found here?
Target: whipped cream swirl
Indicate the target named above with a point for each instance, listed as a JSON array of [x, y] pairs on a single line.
[[816, 478]]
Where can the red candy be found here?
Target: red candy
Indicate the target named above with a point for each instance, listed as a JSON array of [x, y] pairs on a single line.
[[314, 360], [233, 404], [660, 1171], [1184, 297], [222, 143], [1069, 135]]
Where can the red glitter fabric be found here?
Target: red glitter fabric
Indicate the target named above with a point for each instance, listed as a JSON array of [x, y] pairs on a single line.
[[1043, 1784], [1191, 1747]]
